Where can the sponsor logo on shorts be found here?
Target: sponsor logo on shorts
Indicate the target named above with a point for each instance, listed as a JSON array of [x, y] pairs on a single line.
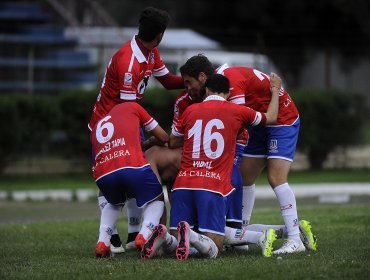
[[273, 146]]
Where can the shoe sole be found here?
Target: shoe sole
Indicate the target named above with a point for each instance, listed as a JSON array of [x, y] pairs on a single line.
[[308, 238], [148, 249], [182, 250]]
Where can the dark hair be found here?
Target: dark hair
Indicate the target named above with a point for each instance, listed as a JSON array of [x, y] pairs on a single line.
[[152, 22], [195, 65], [218, 83]]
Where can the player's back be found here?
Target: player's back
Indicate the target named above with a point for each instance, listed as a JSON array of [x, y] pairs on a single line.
[[116, 139], [256, 87], [210, 129]]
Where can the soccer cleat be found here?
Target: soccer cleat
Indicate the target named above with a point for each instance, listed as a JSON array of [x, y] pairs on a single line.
[[102, 250], [154, 242], [139, 241], [130, 243], [116, 244], [290, 246], [307, 237], [266, 240], [183, 233]]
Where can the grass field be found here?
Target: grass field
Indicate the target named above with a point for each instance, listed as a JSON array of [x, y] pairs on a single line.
[[85, 181], [65, 250]]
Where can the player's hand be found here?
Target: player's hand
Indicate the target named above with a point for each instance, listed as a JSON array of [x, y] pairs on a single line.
[[275, 82]]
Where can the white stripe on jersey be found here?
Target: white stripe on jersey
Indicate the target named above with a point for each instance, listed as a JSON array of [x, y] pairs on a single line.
[[150, 125], [222, 68], [131, 62], [257, 119], [160, 72], [238, 99], [127, 96], [176, 133]]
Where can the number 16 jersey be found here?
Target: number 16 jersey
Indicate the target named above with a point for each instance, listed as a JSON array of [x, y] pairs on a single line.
[[210, 129]]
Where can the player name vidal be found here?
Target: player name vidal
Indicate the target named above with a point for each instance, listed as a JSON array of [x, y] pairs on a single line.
[[207, 174], [201, 163]]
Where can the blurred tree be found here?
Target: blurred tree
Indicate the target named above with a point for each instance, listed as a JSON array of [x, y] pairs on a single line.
[[329, 119]]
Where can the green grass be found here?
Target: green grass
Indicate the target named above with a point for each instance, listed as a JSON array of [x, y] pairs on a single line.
[[85, 181], [65, 250]]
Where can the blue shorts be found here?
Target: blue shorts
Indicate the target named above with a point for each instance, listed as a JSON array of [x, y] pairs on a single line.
[[204, 208], [235, 199], [140, 183], [273, 141]]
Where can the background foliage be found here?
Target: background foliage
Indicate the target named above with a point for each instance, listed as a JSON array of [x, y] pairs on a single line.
[[41, 124]]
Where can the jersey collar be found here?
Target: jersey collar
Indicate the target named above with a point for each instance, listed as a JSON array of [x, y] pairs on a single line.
[[214, 97], [137, 51], [222, 68]]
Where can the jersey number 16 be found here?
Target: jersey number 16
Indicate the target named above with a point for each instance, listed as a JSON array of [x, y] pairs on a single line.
[[208, 136]]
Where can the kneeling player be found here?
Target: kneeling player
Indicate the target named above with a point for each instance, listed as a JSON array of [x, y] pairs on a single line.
[[203, 182], [121, 171]]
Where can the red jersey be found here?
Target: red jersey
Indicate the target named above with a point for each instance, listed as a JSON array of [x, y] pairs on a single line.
[[126, 78], [116, 139], [209, 129], [183, 101], [256, 87]]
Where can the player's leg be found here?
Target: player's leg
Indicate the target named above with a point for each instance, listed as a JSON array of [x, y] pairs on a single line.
[[134, 217], [252, 164], [263, 239], [114, 192], [210, 211], [281, 144], [144, 186], [250, 168]]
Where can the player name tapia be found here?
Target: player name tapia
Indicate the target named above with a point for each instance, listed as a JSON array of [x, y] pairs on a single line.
[[111, 144], [194, 173]]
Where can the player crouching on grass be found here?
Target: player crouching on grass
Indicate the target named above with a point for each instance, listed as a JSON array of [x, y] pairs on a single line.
[[208, 131], [122, 172]]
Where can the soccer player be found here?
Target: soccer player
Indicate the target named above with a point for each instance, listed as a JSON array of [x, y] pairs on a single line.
[[126, 79], [207, 131], [196, 95], [121, 171], [275, 142]]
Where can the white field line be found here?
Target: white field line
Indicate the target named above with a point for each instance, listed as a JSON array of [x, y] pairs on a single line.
[[324, 191]]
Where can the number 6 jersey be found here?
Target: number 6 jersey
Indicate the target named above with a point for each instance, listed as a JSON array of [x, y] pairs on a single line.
[[210, 129], [116, 139]]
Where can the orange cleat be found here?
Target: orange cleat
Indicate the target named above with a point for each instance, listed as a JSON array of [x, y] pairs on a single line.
[[139, 241], [102, 250]]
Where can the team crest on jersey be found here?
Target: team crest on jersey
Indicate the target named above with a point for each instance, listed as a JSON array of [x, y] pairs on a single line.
[[127, 81], [273, 146], [152, 58]]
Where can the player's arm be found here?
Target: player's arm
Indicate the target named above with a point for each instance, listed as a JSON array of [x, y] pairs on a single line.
[[273, 108], [161, 73], [175, 141], [160, 136], [171, 81]]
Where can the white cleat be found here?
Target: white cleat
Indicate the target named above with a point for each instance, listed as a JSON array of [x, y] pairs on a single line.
[[290, 246], [130, 246], [117, 250]]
